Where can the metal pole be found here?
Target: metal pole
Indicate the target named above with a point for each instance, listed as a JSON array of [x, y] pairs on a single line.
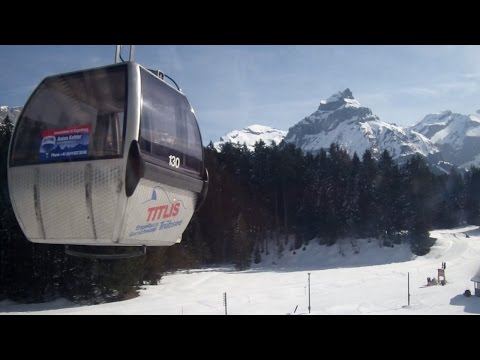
[[309, 293], [132, 53], [117, 53], [408, 289], [225, 302]]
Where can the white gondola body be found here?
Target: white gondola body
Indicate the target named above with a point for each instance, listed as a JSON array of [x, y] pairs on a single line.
[[86, 201]]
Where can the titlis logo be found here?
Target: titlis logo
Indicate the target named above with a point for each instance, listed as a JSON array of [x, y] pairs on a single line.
[[158, 217], [162, 212]]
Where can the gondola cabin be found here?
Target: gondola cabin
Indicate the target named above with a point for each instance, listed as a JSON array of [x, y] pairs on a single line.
[[106, 156]]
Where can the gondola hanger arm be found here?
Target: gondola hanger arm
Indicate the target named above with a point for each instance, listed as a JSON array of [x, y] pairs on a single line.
[[118, 53]]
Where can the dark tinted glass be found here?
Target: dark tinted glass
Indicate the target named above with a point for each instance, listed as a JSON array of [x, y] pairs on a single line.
[[169, 130], [73, 117]]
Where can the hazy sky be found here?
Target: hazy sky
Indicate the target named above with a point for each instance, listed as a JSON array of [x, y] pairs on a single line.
[[234, 86]]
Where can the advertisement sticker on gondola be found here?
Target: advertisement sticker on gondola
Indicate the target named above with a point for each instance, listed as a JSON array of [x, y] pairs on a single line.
[[65, 143], [159, 216]]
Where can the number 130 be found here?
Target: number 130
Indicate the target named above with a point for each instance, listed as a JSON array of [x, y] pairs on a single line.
[[174, 161]]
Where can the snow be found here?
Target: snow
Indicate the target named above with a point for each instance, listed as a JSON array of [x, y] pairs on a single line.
[[373, 281], [356, 131], [474, 162], [435, 118], [449, 128], [334, 98], [473, 132], [475, 117], [453, 134], [420, 143], [252, 134], [259, 129], [370, 133], [339, 97], [352, 103], [11, 112], [344, 134]]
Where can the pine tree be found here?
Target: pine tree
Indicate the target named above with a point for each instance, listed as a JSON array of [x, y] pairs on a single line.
[[388, 189], [257, 257], [352, 198], [419, 204], [367, 198], [472, 196], [450, 211], [241, 244]]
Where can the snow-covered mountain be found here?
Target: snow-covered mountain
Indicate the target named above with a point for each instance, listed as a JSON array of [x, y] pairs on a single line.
[[343, 120], [252, 134], [12, 112], [456, 135]]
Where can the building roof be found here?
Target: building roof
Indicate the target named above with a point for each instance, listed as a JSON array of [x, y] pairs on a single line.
[[476, 278]]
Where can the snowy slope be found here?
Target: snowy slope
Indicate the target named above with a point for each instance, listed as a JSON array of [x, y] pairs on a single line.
[[12, 112], [252, 134], [456, 135], [374, 281], [343, 120]]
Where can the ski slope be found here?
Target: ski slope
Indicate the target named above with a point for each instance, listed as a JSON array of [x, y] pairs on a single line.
[[372, 281]]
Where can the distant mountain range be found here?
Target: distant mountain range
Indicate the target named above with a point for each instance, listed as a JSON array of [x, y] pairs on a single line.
[[252, 134], [445, 139], [343, 120], [456, 136], [11, 112]]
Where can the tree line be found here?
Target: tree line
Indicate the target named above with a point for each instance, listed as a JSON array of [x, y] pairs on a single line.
[[282, 195], [271, 197]]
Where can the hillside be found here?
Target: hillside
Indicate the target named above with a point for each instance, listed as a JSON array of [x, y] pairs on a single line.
[[374, 281]]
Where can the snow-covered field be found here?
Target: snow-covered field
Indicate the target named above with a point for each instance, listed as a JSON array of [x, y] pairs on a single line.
[[373, 281]]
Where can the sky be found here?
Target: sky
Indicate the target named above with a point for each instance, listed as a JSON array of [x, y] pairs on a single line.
[[376, 280], [233, 86]]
